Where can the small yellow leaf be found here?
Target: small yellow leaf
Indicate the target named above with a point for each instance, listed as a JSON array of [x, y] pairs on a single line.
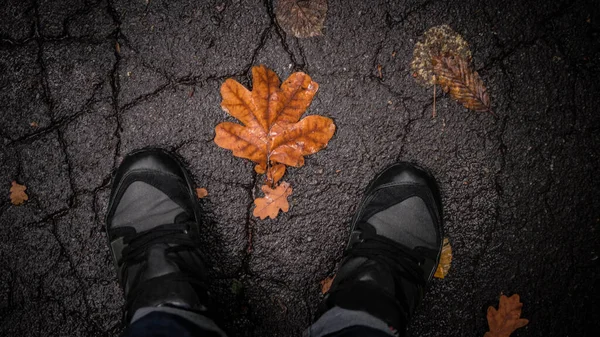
[[17, 194], [445, 260], [326, 284], [201, 192]]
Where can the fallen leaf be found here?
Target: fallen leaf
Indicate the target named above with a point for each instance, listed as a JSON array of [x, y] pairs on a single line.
[[117, 47], [301, 18], [456, 78], [435, 42], [275, 173], [506, 319], [273, 135], [274, 200], [201, 192], [17, 194], [34, 124], [379, 73], [445, 260], [326, 284], [272, 132], [442, 57]]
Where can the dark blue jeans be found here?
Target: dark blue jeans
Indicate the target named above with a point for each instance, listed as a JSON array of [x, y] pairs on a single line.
[[162, 324]]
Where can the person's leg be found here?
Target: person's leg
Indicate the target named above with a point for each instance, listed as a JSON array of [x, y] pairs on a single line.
[[152, 227], [394, 248]]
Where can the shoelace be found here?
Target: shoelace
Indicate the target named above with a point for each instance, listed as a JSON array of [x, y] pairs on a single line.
[[178, 239], [172, 234], [403, 263]]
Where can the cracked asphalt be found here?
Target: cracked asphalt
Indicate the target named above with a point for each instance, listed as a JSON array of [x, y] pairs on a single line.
[[520, 191]]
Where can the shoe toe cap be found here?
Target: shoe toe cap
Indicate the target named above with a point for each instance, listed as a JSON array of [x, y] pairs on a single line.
[[150, 160], [403, 173], [155, 167]]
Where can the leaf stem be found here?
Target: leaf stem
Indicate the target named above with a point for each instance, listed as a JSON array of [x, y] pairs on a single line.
[[434, 94]]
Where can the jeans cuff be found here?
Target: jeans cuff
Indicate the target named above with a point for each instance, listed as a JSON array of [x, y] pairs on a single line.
[[336, 319], [197, 319]]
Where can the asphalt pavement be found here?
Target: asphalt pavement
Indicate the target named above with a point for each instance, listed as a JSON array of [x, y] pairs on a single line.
[[84, 82]]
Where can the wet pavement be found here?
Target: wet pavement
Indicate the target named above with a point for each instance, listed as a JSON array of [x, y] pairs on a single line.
[[520, 191]]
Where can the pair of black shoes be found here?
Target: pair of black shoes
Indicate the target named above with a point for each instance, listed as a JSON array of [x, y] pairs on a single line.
[[152, 225]]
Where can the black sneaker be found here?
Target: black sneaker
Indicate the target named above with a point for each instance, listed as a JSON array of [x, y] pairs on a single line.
[[394, 247], [152, 226]]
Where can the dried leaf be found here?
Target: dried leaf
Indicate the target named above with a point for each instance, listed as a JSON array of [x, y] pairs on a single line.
[[274, 200], [17, 194], [270, 114], [443, 57], [456, 77], [275, 173], [34, 124], [201, 192], [273, 135], [435, 42], [506, 319], [117, 48], [326, 284], [445, 260], [301, 18]]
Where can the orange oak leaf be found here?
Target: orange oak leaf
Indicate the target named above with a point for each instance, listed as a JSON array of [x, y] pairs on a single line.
[[445, 260], [201, 192], [275, 173], [507, 318], [17, 194], [274, 200], [272, 133], [326, 284]]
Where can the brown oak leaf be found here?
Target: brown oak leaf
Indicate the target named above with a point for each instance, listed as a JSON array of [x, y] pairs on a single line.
[[455, 76], [274, 200], [273, 135], [301, 18], [17, 194], [273, 132], [507, 318], [445, 260], [201, 192]]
